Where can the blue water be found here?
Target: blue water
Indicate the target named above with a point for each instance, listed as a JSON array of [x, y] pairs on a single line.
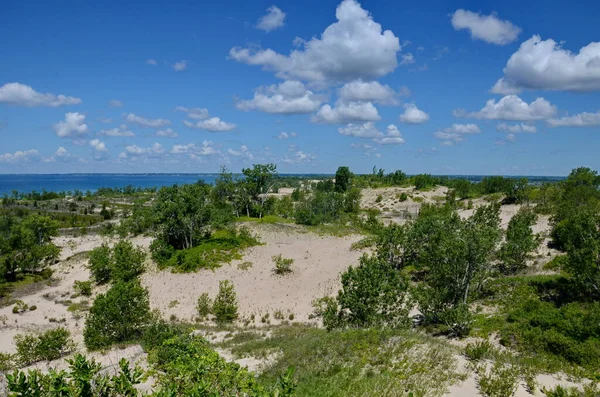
[[25, 183]]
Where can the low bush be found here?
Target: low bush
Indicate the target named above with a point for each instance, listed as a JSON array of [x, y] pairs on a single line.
[[282, 265], [83, 287], [204, 306], [47, 346], [479, 350], [499, 381]]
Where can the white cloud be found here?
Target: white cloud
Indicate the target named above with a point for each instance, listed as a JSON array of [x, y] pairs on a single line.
[[392, 137], [514, 128], [286, 135], [206, 149], [511, 107], [359, 90], [155, 150], [98, 145], [584, 119], [122, 130], [298, 157], [413, 115], [115, 103], [404, 91], [289, 97], [346, 112], [151, 62], [545, 65], [179, 66], [243, 152], [194, 113], [510, 138], [353, 47], [452, 135], [272, 20], [407, 59], [73, 127], [488, 28], [23, 95], [19, 156], [166, 133], [61, 154], [214, 124], [146, 123], [364, 130]]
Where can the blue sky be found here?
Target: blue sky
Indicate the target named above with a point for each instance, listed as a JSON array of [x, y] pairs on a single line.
[[187, 86]]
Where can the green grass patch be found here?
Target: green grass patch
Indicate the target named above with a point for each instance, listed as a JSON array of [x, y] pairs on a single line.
[[222, 246], [268, 219], [355, 362]]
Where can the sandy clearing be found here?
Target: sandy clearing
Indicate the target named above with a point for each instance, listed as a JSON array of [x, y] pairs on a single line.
[[318, 262]]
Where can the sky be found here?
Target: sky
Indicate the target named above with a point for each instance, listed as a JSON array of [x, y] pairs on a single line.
[[442, 87]]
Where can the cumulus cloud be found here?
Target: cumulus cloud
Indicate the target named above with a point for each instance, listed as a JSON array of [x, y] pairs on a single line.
[[122, 130], [61, 154], [73, 126], [544, 65], [359, 90], [346, 112], [286, 135], [392, 136], [514, 128], [289, 97], [20, 156], [214, 124], [584, 119], [115, 103], [488, 28], [510, 138], [23, 95], [242, 152], [166, 133], [179, 66], [512, 108], [298, 157], [272, 20], [133, 150], [151, 62], [146, 123], [206, 149], [353, 47], [194, 113], [452, 135], [98, 145], [413, 115], [364, 130]]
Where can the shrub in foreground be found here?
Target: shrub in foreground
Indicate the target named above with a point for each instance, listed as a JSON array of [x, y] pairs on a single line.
[[225, 306], [47, 346]]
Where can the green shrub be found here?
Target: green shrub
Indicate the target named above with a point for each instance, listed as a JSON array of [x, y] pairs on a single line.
[[478, 350], [100, 264], [7, 362], [500, 381], [520, 241], [47, 346], [119, 315], [32, 308], [403, 197], [83, 287], [204, 306], [123, 262], [589, 390], [225, 306], [20, 307], [379, 198], [282, 265]]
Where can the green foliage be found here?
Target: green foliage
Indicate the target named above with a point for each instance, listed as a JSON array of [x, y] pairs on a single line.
[[47, 346], [343, 179], [225, 306], [26, 245], [221, 247], [20, 307], [499, 381], [204, 306], [479, 350], [7, 362], [123, 262], [589, 390], [583, 251], [258, 181], [373, 294], [83, 379], [520, 241], [83, 287], [119, 315], [424, 181], [282, 265], [326, 207]]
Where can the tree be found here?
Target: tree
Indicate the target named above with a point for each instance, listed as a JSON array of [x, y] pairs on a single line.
[[257, 183], [373, 294], [343, 178], [100, 264], [583, 251], [123, 262], [225, 306], [119, 315], [520, 241]]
